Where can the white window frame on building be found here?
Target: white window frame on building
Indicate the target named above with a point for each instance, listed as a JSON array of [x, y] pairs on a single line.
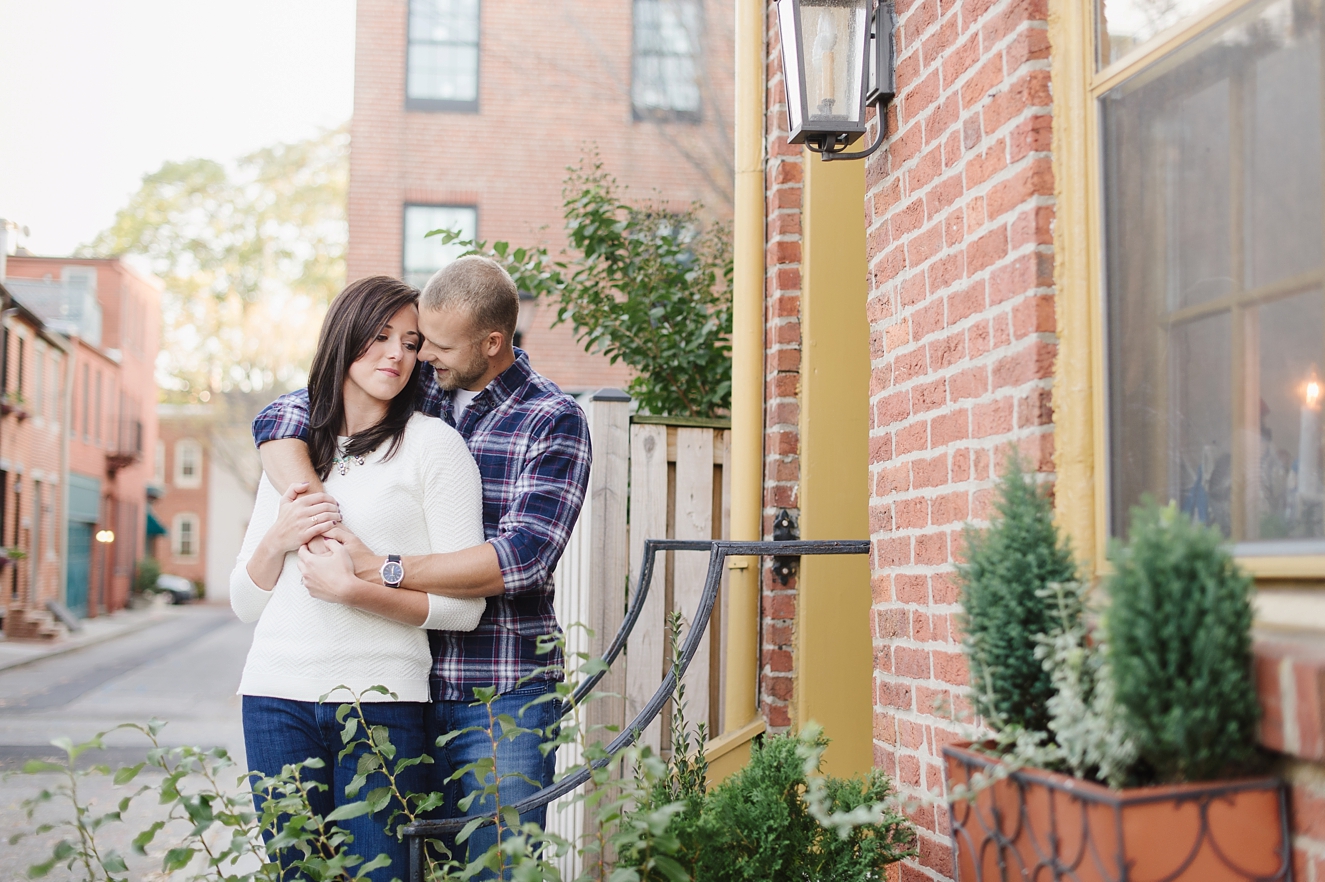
[[178, 534], [667, 63], [421, 256], [188, 452], [442, 55], [159, 464]]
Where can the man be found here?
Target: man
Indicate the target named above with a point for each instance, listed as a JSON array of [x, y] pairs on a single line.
[[531, 443]]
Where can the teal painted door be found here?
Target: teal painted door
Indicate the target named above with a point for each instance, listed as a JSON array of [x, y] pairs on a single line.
[[80, 567]]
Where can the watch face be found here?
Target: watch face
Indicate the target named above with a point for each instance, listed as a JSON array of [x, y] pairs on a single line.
[[392, 573]]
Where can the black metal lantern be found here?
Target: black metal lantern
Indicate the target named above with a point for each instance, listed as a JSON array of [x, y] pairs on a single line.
[[837, 57]]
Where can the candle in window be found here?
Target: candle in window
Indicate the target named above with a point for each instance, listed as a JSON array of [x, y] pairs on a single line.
[[1308, 441]]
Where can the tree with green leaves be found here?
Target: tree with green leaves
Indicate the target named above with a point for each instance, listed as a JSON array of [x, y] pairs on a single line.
[[250, 254], [1007, 568], [641, 284]]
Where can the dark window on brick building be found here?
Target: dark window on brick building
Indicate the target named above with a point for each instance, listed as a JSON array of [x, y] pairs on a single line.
[[667, 66], [442, 58], [425, 255]]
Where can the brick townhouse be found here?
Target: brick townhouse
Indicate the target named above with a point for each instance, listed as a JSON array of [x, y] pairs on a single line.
[[467, 115], [1093, 232], [94, 396]]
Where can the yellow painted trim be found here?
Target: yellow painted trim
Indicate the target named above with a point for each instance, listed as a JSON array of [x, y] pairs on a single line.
[[741, 702], [1078, 412], [834, 653], [730, 752], [1307, 566]]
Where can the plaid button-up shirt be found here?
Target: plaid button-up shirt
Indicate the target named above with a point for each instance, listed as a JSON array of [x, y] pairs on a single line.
[[531, 442]]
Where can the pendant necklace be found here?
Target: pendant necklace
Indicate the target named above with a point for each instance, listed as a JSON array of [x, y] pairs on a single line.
[[344, 461]]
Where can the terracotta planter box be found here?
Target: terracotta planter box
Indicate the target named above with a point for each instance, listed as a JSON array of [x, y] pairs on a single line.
[[1043, 826]]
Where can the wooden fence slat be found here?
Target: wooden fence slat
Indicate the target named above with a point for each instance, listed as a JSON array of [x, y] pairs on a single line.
[[646, 652], [694, 520], [609, 426]]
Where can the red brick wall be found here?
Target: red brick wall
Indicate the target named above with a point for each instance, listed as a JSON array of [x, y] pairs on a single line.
[[131, 330], [30, 449], [782, 357], [958, 215], [553, 80], [178, 423]]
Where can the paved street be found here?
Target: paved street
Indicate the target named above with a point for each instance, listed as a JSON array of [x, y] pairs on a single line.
[[183, 669]]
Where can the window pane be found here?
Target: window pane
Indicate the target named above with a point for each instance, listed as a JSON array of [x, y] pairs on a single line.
[[425, 256], [1214, 301], [442, 60], [666, 67], [1125, 24]]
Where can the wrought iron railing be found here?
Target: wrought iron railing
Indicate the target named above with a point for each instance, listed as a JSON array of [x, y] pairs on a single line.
[[719, 551]]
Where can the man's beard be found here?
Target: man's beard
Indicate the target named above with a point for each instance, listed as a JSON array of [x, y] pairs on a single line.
[[465, 376]]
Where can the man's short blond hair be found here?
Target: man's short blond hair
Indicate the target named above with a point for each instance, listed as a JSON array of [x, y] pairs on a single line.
[[480, 287]]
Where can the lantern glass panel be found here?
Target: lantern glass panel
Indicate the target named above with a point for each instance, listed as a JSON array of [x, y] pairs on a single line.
[[791, 62], [833, 44]]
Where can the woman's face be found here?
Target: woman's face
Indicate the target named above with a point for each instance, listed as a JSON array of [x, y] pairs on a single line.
[[385, 367]]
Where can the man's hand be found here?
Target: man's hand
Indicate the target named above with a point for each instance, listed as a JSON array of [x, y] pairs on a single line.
[[367, 563], [329, 575]]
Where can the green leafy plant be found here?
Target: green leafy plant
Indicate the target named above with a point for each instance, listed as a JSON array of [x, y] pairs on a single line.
[[1179, 642], [145, 575], [642, 284], [1007, 566]]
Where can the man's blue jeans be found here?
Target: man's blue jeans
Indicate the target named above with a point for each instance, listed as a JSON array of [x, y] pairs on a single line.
[[280, 732], [517, 758]]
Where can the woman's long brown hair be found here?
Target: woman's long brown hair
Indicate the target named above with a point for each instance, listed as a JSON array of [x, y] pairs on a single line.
[[356, 317]]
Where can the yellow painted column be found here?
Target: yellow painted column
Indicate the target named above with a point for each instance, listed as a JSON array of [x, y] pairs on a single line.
[[834, 658], [741, 718]]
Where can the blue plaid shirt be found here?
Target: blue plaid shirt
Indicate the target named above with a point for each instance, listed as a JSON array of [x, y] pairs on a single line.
[[531, 442]]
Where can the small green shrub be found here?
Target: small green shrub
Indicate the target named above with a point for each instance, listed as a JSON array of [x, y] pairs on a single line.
[[1007, 567], [1179, 642], [144, 578]]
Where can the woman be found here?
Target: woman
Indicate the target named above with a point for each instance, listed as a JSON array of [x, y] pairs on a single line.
[[403, 481]]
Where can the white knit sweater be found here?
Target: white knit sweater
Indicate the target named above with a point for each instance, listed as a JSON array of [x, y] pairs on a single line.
[[426, 499]]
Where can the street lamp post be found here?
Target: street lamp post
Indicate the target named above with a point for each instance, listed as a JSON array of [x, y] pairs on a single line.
[[837, 58]]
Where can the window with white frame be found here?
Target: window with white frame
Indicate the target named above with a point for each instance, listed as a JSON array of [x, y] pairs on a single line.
[[184, 538], [425, 255], [159, 464], [188, 463], [442, 57], [667, 68]]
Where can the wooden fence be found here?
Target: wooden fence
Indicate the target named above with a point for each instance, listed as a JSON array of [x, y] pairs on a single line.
[[652, 478]]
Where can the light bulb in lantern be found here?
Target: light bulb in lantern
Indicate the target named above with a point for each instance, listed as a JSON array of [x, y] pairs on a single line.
[[1308, 440], [1313, 393]]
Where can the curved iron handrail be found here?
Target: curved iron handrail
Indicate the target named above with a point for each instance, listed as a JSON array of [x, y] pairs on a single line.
[[719, 550]]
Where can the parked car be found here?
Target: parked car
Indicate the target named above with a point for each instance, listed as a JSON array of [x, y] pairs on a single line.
[[179, 588]]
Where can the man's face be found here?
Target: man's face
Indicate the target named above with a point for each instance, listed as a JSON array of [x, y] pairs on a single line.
[[453, 348]]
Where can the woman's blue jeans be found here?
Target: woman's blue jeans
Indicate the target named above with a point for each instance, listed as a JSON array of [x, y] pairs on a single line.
[[522, 767], [280, 732]]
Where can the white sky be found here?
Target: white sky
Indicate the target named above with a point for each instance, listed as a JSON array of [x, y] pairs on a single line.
[[95, 94]]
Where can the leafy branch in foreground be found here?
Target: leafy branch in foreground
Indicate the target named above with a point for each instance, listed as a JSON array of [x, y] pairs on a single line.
[[643, 284]]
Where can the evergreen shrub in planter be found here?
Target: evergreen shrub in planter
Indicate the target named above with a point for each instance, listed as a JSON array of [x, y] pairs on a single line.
[[1133, 763]]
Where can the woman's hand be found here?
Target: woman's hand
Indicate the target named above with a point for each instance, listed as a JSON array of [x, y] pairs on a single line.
[[301, 517], [328, 575]]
